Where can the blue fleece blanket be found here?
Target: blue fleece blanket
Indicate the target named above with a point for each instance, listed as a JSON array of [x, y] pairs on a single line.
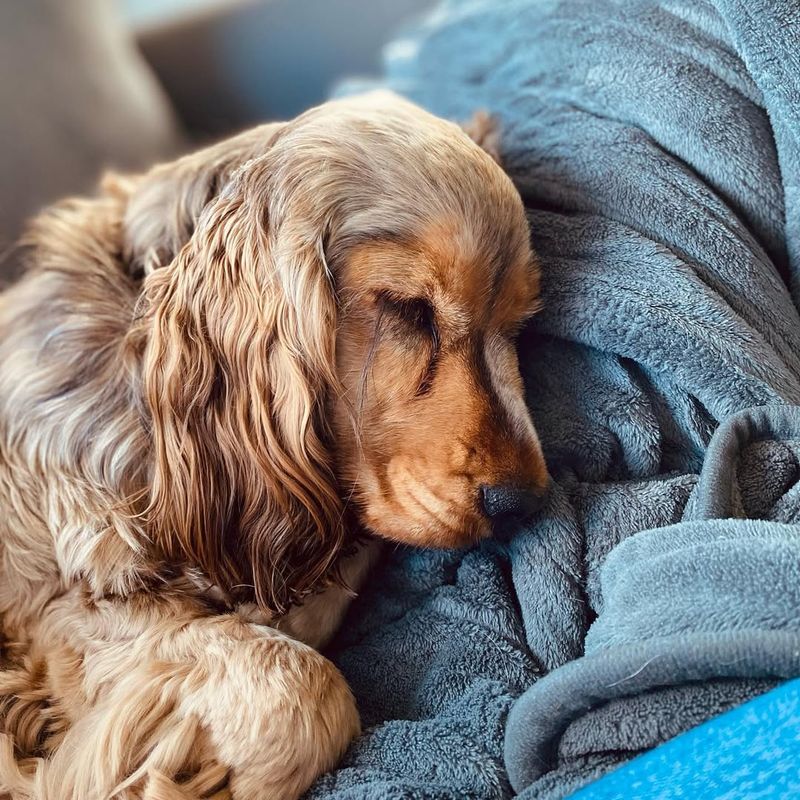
[[657, 148]]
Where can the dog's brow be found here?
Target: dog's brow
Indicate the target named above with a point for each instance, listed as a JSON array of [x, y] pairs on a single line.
[[504, 265], [378, 236]]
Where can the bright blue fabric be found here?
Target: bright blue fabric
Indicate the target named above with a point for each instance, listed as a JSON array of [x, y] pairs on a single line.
[[750, 753]]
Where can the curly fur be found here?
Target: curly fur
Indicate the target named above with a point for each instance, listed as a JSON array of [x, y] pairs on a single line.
[[210, 381]]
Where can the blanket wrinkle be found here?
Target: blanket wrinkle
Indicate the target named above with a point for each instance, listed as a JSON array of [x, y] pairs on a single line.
[[656, 145]]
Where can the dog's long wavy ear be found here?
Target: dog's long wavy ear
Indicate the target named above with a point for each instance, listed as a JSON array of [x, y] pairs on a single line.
[[164, 208], [239, 333]]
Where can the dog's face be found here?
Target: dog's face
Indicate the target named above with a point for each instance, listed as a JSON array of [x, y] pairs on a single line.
[[426, 354], [330, 309]]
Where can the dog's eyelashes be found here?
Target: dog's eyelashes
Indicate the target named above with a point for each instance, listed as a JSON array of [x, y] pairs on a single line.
[[417, 312], [417, 315]]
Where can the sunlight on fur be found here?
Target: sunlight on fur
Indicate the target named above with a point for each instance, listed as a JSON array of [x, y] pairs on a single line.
[[219, 382]]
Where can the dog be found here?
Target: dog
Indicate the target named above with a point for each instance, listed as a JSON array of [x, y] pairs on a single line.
[[219, 382]]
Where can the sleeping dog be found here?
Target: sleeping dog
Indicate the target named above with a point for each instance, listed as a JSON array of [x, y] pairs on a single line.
[[218, 381]]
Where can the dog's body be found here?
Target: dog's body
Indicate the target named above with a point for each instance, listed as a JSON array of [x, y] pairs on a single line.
[[209, 377]]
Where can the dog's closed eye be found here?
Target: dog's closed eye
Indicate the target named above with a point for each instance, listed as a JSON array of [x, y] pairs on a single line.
[[416, 317], [416, 312]]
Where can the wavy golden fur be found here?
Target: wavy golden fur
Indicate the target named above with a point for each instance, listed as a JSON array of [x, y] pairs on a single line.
[[215, 378]]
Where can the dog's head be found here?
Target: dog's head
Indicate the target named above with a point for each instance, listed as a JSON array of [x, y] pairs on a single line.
[[328, 320]]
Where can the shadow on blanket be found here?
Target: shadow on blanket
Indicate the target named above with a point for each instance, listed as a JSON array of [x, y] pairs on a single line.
[[657, 147]]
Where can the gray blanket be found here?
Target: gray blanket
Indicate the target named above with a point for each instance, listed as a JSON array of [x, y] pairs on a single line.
[[657, 148]]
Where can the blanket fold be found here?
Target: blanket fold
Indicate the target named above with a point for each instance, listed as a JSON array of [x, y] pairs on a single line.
[[656, 145]]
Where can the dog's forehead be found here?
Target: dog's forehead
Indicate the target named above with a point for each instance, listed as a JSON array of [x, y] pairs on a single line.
[[477, 271], [471, 274]]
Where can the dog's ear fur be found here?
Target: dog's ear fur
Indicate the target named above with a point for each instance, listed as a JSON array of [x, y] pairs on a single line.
[[239, 332], [167, 202], [485, 132]]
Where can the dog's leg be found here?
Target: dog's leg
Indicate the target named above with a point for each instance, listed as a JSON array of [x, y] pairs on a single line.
[[153, 697]]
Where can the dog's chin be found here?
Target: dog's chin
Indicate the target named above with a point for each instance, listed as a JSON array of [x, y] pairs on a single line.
[[466, 529]]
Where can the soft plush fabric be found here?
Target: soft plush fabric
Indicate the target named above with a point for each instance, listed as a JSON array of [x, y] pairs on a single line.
[[657, 148], [751, 752]]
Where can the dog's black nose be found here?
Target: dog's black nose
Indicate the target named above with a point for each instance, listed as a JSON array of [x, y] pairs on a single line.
[[508, 501]]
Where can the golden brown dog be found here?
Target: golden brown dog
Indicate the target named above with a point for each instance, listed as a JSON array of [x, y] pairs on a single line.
[[212, 377]]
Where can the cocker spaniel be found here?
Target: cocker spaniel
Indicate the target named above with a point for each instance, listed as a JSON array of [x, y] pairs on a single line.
[[217, 381]]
